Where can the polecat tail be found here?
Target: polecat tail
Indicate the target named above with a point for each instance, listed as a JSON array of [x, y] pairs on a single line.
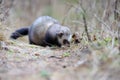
[[19, 33]]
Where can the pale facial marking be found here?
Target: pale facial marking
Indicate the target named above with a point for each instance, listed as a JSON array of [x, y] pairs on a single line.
[[66, 37]]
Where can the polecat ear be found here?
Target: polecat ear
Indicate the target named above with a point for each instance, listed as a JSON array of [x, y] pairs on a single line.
[[60, 34]]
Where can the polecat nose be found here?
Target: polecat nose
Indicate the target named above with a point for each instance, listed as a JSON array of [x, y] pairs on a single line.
[[66, 43]]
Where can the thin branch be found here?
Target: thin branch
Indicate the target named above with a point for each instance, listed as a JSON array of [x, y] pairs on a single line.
[[119, 36], [0, 1], [85, 22], [117, 18], [116, 14]]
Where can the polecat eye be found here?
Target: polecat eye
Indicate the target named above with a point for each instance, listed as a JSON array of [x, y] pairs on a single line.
[[60, 35]]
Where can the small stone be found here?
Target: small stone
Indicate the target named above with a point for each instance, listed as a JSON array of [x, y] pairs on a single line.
[[36, 54]]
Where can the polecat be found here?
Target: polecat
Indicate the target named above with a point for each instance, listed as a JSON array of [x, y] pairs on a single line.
[[45, 31]]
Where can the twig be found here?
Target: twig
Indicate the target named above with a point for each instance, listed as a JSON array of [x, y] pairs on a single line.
[[116, 14], [0, 1], [117, 18], [85, 22], [119, 37]]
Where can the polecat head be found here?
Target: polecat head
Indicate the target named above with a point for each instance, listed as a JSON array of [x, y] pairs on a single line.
[[64, 36]]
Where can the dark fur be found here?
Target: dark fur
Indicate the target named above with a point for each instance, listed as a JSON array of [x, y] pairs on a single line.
[[19, 33]]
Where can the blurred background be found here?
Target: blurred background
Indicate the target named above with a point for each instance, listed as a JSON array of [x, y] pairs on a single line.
[[100, 14]]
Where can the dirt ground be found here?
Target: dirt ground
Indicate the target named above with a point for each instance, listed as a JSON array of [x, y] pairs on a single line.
[[21, 61]]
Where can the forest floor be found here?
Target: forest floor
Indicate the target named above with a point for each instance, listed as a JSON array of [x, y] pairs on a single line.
[[21, 61]]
